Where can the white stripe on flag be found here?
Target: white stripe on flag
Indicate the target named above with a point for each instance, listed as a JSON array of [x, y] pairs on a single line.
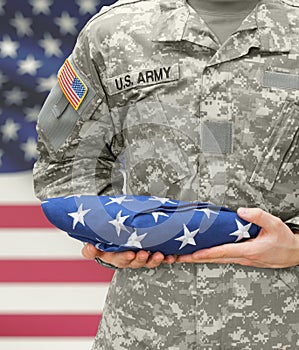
[[28, 343], [17, 189], [38, 244], [52, 298], [47, 289], [67, 77]]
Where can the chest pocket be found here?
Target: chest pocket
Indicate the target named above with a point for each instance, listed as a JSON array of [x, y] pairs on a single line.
[[156, 153], [280, 147]]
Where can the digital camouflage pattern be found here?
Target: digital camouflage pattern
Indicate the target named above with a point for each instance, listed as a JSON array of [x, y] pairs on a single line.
[[171, 112], [182, 307]]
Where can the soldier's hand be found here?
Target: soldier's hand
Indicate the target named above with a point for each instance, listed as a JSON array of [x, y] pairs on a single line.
[[275, 247], [128, 259]]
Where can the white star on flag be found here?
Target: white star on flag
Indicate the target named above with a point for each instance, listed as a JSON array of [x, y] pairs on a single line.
[[87, 6], [134, 240], [78, 216], [100, 241], [46, 84], [32, 113], [29, 149], [188, 237], [118, 200], [157, 214], [10, 130], [51, 45], [22, 24], [162, 200], [41, 6], [66, 23], [242, 231], [73, 195], [8, 47], [29, 66], [207, 211], [15, 96], [118, 223]]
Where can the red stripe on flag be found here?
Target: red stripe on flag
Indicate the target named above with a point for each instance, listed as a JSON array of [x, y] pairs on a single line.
[[65, 271], [23, 216], [49, 325], [66, 78], [67, 84]]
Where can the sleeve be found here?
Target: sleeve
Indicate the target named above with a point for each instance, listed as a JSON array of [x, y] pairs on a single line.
[[76, 141]]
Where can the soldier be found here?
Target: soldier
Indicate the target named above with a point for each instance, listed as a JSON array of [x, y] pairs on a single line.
[[196, 101]]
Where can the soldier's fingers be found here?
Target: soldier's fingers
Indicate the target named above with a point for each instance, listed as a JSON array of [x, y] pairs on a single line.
[[121, 259], [155, 260], [226, 260], [89, 251], [260, 217], [140, 260], [169, 259], [228, 251], [186, 258], [233, 250]]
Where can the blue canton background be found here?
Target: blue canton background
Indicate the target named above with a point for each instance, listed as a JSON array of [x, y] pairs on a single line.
[[36, 36]]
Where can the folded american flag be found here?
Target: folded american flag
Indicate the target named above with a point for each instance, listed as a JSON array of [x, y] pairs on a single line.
[[119, 223]]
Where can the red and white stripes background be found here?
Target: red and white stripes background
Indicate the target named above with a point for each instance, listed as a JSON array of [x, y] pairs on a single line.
[[50, 297]]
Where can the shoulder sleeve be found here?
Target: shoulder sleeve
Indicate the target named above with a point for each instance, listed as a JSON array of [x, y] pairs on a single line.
[[75, 131]]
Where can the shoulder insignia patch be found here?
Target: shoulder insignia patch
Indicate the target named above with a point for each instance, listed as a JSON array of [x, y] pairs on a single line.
[[294, 3], [72, 85]]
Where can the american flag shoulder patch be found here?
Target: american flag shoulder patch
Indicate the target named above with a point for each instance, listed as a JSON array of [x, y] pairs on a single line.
[[72, 85]]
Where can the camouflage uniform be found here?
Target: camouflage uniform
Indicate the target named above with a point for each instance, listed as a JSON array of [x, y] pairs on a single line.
[[171, 112]]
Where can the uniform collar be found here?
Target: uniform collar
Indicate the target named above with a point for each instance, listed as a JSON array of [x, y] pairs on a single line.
[[172, 20], [273, 26], [178, 21]]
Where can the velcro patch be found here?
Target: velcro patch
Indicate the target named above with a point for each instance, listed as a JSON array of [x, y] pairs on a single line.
[[216, 137], [72, 85], [281, 80]]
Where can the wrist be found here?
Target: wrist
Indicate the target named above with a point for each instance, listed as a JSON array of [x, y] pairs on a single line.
[[103, 263]]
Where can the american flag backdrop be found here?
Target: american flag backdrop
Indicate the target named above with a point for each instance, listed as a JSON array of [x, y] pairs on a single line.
[[49, 296]]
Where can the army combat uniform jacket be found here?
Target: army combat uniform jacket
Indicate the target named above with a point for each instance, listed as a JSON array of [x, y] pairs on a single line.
[[163, 109]]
